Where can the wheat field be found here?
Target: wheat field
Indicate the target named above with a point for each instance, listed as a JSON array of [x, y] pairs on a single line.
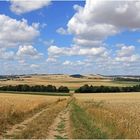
[[14, 108], [116, 114]]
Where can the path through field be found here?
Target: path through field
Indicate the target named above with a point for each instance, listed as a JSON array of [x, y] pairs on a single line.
[[60, 129], [21, 126], [52, 122]]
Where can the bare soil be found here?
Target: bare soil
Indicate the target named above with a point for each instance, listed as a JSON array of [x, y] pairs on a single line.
[[60, 129]]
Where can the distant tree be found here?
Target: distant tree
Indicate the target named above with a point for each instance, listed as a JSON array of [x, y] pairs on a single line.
[[25, 88], [51, 88], [63, 89]]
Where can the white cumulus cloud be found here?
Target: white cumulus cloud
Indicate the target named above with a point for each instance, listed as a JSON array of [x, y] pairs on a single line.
[[28, 51], [99, 19], [24, 6], [15, 32], [126, 54]]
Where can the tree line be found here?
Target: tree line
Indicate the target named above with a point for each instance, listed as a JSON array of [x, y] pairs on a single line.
[[36, 88], [64, 89], [106, 89]]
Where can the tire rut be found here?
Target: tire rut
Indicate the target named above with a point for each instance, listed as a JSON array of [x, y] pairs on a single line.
[[21, 126], [60, 129]]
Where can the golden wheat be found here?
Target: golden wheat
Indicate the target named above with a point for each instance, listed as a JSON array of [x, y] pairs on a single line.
[[15, 107], [116, 114]]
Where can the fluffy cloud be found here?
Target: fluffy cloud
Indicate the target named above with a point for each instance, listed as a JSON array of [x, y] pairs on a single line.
[[24, 6], [29, 50], [99, 19], [76, 63], [87, 43], [97, 59], [92, 24], [14, 32], [6, 55], [67, 62], [55, 53], [76, 50], [126, 54], [126, 59], [125, 50], [51, 59]]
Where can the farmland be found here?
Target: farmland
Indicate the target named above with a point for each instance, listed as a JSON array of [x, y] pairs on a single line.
[[114, 115], [109, 115], [65, 80], [15, 108], [102, 115], [69, 69]]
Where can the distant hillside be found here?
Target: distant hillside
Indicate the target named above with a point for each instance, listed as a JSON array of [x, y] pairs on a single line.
[[77, 76], [8, 76]]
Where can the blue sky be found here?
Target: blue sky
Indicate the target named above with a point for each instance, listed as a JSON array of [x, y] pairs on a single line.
[[69, 37]]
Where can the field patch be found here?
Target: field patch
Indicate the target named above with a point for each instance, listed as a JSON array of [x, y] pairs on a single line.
[[14, 108], [83, 127], [66, 80], [80, 116], [116, 114]]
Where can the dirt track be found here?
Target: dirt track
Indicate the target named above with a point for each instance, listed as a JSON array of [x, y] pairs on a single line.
[[60, 129], [21, 126]]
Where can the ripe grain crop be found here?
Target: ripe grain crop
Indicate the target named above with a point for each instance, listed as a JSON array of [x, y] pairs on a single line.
[[14, 108], [118, 115], [39, 127]]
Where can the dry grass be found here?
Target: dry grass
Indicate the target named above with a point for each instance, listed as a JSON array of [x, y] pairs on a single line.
[[39, 128], [116, 114], [14, 107]]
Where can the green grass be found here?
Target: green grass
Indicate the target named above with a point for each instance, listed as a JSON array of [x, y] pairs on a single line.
[[83, 127]]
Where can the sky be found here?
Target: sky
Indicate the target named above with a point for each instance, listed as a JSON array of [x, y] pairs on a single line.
[[70, 37]]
